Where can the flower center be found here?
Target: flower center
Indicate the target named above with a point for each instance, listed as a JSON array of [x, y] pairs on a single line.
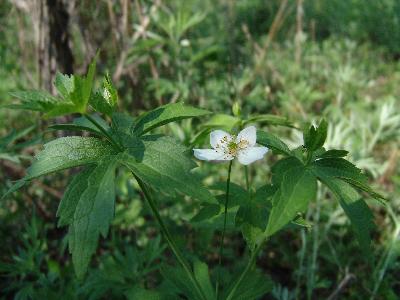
[[233, 148]]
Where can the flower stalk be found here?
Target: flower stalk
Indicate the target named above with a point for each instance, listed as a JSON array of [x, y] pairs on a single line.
[[168, 237], [221, 246]]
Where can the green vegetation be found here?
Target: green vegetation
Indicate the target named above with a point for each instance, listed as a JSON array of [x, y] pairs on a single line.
[[102, 198]]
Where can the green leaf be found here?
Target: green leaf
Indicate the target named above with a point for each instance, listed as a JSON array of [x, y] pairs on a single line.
[[301, 222], [14, 136], [315, 138], [67, 152], [163, 163], [297, 188], [345, 170], [333, 154], [179, 279], [80, 95], [207, 212], [105, 100], [15, 187], [254, 286], [64, 84], [272, 142], [75, 189], [93, 213], [74, 127], [33, 100], [253, 213], [74, 93], [83, 124], [270, 120], [237, 194], [202, 276], [165, 114], [356, 209], [252, 235], [282, 166], [138, 292]]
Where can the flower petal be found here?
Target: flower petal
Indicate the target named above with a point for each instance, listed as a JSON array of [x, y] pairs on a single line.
[[219, 139], [250, 155], [211, 155], [248, 134]]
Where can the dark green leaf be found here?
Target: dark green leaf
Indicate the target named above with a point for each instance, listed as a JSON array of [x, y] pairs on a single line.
[[300, 221], [105, 100], [67, 152], [237, 194], [345, 170], [282, 166], [138, 292], [297, 188], [202, 276], [15, 187], [355, 208], [74, 91], [315, 138], [333, 153], [254, 286], [93, 213], [64, 84], [180, 280], [207, 212], [164, 164], [34, 100], [75, 189], [74, 127], [270, 120], [166, 114], [272, 142]]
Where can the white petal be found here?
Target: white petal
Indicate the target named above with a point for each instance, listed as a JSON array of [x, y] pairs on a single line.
[[211, 155], [250, 155], [248, 134], [219, 139]]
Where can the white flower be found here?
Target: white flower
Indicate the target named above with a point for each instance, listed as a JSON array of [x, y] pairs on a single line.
[[227, 147]]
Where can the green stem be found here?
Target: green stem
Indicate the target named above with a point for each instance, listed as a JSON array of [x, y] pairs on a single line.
[[168, 237], [221, 246], [106, 134], [246, 172], [249, 265]]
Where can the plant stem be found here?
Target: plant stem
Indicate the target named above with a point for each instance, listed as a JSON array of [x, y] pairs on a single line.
[[246, 173], [168, 237], [221, 246], [249, 265], [106, 134]]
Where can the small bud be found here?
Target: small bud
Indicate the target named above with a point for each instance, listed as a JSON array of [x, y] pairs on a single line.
[[185, 43], [236, 109]]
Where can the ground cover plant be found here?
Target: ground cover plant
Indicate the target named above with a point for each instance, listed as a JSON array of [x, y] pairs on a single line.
[[229, 150]]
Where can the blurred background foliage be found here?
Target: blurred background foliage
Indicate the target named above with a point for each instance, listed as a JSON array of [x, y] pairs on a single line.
[[303, 60]]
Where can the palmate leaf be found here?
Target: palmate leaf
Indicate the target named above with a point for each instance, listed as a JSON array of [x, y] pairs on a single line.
[[361, 217], [164, 164], [165, 114], [93, 195], [298, 187]]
